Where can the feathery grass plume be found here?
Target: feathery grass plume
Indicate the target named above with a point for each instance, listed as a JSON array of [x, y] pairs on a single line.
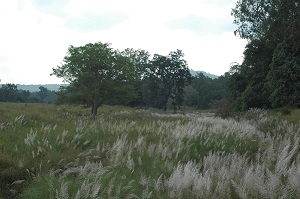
[[19, 119], [285, 156], [130, 163], [62, 193], [30, 138], [182, 178], [147, 194], [158, 184]]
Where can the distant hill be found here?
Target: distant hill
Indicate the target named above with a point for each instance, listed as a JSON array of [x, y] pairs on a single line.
[[35, 87], [194, 73]]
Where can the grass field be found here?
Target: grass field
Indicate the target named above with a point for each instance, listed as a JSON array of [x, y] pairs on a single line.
[[49, 151]]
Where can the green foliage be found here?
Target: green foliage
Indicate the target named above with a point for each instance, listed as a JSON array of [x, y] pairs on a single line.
[[43, 93], [205, 90], [11, 93], [164, 79], [8, 93], [97, 74], [285, 110], [293, 116], [225, 144], [263, 18], [140, 59], [249, 16], [268, 76], [285, 69], [222, 108]]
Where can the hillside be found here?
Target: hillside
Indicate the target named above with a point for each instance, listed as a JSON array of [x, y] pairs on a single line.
[[194, 73], [35, 87]]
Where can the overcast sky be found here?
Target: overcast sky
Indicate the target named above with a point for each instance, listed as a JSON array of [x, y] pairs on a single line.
[[35, 34]]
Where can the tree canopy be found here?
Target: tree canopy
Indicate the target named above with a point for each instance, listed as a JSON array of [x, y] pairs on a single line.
[[165, 78], [97, 74], [269, 75]]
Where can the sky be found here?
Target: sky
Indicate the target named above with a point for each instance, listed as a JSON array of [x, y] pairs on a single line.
[[35, 34]]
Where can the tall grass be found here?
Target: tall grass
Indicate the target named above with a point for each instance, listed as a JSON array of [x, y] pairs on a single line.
[[58, 152]]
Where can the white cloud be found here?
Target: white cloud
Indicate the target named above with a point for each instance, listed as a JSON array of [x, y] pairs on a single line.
[[35, 37]]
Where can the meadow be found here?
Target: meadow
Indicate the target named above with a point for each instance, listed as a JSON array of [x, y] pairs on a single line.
[[49, 151]]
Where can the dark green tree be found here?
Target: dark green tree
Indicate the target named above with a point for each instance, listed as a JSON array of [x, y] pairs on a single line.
[[140, 59], [97, 74], [248, 81], [203, 86], [284, 75], [23, 96], [9, 93], [190, 96], [268, 19], [43, 93], [165, 79], [208, 90], [265, 24]]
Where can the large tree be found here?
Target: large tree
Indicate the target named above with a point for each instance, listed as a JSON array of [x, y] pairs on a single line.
[[284, 74], [165, 78], [267, 74], [97, 74]]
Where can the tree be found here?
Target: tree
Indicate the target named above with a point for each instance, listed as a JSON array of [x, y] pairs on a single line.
[[190, 96], [140, 59], [250, 16], [263, 78], [207, 90], [9, 93], [284, 73], [97, 74], [263, 18], [248, 83], [23, 96], [165, 78], [43, 93]]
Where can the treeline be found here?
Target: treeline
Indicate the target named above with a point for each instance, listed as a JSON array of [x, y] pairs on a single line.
[[165, 82], [201, 93], [269, 76], [98, 74], [205, 92], [11, 93]]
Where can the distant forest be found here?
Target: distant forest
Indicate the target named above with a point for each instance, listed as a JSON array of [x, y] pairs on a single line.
[[36, 87], [204, 89], [14, 93]]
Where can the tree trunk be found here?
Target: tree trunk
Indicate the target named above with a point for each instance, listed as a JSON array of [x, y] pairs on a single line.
[[95, 107]]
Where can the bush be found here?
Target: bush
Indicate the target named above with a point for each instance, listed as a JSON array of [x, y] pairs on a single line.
[[286, 110], [221, 107]]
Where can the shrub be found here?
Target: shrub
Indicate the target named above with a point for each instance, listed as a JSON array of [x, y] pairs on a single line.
[[222, 108]]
